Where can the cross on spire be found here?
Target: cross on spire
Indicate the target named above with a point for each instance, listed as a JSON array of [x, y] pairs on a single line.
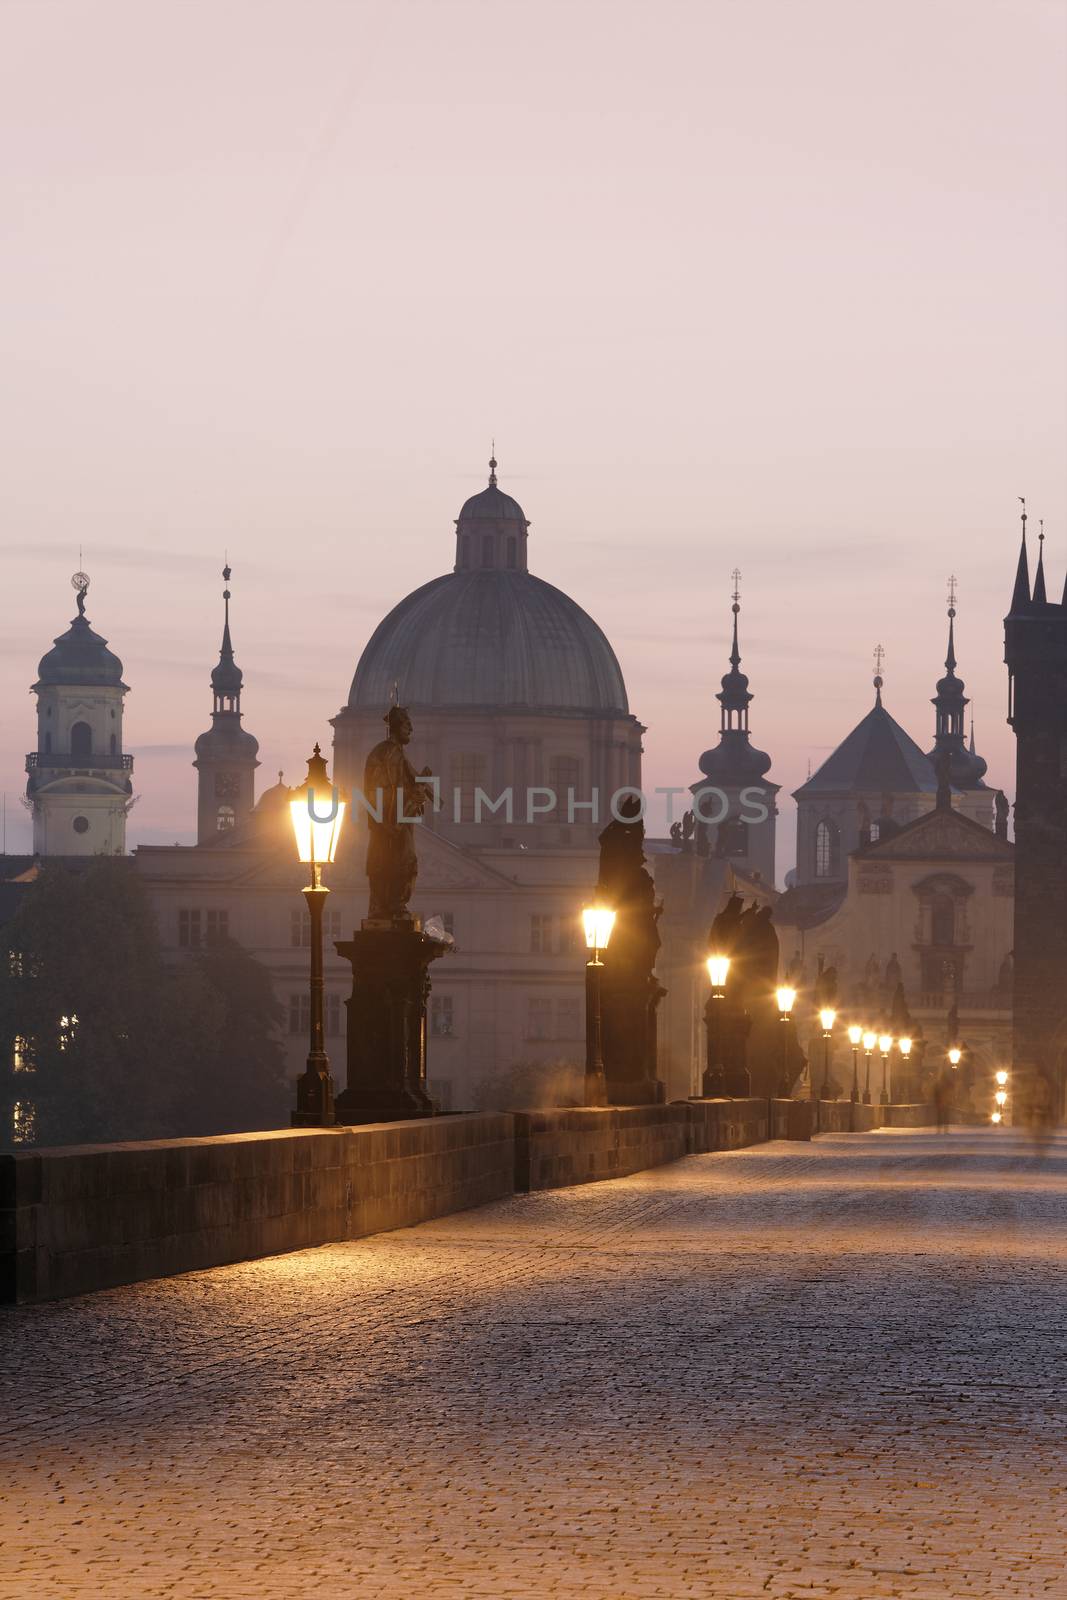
[[492, 464], [879, 663], [736, 576], [952, 596]]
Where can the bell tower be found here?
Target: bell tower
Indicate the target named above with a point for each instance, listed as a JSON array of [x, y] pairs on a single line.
[[78, 786], [1035, 650], [226, 756]]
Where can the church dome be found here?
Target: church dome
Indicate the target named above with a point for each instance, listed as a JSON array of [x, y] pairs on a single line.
[[489, 635], [490, 639], [80, 657]]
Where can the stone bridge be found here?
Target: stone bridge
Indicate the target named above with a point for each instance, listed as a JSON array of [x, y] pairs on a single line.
[[791, 1370]]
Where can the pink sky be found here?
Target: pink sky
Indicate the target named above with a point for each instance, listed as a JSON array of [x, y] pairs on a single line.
[[746, 282]]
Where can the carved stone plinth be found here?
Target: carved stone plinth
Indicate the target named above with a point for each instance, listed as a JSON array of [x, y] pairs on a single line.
[[630, 1001], [387, 1024]]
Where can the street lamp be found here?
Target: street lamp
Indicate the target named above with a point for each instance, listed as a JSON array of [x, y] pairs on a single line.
[[597, 921], [317, 813], [869, 1042], [718, 970], [885, 1044], [855, 1034], [1002, 1078], [955, 1056], [827, 1016], [904, 1046], [785, 995]]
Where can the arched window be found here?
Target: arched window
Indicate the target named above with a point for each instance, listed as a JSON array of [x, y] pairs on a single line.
[[114, 745], [48, 744], [225, 818], [487, 549], [827, 849], [511, 555], [942, 920], [81, 739]]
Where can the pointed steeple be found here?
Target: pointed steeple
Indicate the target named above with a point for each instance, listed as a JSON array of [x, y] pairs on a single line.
[[226, 678], [965, 768], [226, 754], [1020, 599], [734, 759], [1040, 598]]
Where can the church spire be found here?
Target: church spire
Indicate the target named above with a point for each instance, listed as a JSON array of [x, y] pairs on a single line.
[[1040, 598], [1020, 599], [226, 756], [734, 698], [965, 767], [226, 678]]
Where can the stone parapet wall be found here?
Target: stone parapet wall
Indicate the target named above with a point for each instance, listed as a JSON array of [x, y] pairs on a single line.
[[840, 1116], [79, 1218]]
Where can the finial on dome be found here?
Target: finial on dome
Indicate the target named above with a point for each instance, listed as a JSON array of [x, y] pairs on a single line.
[[735, 655], [950, 658], [492, 465], [879, 680]]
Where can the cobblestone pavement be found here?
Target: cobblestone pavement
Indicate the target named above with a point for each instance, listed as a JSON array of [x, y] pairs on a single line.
[[833, 1369]]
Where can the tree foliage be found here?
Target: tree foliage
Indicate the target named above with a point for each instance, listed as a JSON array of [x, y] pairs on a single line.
[[103, 1040]]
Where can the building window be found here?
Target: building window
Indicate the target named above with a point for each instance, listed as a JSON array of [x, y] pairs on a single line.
[[732, 838], [468, 774], [22, 1054], [442, 1016], [300, 1012], [942, 920], [23, 1122], [68, 1029], [333, 1015], [827, 850], [48, 744], [81, 739], [538, 1018], [80, 824], [540, 935], [568, 1019], [487, 549], [569, 940], [225, 819], [511, 555], [300, 929], [196, 928]]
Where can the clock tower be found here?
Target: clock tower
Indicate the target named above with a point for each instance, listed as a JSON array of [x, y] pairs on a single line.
[[225, 754]]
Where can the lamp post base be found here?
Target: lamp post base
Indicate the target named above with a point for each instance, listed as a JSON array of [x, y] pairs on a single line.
[[866, 1097], [314, 1097], [596, 1089]]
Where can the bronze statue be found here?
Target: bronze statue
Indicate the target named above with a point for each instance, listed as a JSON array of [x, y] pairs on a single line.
[[1000, 802], [630, 991], [393, 790]]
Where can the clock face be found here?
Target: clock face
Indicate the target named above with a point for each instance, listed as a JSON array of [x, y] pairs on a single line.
[[227, 786]]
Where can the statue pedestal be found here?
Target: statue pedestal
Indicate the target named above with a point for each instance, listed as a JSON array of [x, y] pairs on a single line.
[[629, 1002], [387, 1024]]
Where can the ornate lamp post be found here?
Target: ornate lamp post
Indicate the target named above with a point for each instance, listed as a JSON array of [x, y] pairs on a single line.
[[597, 922], [955, 1056], [1000, 1099], [885, 1044], [715, 1022], [904, 1046], [827, 1016], [785, 995], [869, 1042], [317, 814], [855, 1034]]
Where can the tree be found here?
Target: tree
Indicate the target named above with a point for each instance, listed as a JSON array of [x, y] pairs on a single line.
[[104, 1041]]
